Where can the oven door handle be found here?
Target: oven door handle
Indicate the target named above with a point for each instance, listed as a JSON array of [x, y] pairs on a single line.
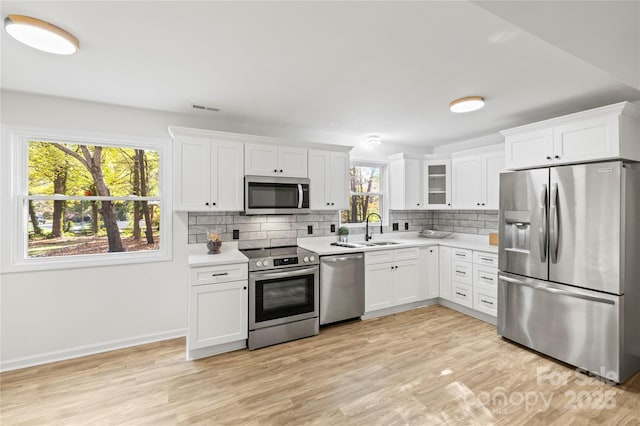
[[283, 274]]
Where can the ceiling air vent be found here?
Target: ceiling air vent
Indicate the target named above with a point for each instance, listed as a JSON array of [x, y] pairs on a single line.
[[204, 108]]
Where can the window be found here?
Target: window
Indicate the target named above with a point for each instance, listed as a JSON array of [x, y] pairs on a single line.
[[366, 193], [87, 201]]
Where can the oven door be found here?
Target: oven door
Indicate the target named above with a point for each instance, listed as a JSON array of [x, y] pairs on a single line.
[[282, 296]]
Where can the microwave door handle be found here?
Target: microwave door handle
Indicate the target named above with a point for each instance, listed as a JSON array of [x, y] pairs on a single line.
[[542, 230], [300, 195], [553, 224]]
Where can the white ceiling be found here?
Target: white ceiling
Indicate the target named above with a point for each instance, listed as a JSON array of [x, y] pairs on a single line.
[[332, 71]]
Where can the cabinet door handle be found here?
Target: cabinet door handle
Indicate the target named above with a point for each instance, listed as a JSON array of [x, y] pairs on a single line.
[[206, 204], [213, 204], [461, 255], [478, 203], [275, 170], [220, 274], [280, 170], [244, 288], [487, 302], [461, 273], [486, 278], [557, 157], [461, 294], [548, 157], [487, 259], [332, 204], [328, 204]]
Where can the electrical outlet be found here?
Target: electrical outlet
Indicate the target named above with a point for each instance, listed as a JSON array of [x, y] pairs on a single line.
[[310, 229], [236, 234], [406, 226], [333, 228], [395, 226]]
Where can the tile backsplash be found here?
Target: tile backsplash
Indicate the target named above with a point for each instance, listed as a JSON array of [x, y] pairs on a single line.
[[480, 222], [281, 230]]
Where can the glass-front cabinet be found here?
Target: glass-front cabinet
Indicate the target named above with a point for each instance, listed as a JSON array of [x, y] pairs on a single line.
[[437, 184]]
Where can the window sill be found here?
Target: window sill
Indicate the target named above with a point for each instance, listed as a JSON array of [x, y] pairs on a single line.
[[86, 261]]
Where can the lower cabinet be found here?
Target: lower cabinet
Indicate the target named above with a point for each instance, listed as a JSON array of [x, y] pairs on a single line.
[[469, 278], [392, 277], [218, 308], [429, 272]]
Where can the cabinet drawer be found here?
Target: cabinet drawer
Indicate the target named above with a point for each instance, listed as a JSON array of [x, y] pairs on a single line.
[[484, 258], [219, 274], [485, 299], [462, 294], [461, 254], [378, 257], [409, 253], [462, 272], [485, 275]]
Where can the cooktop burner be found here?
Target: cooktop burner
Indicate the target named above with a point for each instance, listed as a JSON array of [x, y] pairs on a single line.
[[279, 257]]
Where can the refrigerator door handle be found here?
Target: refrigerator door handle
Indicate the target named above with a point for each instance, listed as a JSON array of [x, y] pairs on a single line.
[[542, 230], [556, 290], [553, 224]]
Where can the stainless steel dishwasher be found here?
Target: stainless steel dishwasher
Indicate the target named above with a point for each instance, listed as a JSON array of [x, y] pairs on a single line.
[[341, 287]]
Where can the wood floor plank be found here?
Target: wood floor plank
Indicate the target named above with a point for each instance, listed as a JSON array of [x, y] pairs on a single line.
[[429, 366]]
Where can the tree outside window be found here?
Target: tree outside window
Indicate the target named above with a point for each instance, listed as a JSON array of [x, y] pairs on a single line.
[[87, 199], [365, 193]]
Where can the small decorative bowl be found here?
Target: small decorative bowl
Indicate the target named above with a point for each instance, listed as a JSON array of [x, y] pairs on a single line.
[[214, 246]]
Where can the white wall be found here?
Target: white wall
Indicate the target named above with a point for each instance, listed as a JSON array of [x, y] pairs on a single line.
[[49, 315]]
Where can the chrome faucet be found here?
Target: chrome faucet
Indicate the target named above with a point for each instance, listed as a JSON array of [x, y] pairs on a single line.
[[367, 237]]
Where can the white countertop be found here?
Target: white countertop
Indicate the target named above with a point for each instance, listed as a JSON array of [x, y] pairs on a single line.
[[229, 254], [322, 245]]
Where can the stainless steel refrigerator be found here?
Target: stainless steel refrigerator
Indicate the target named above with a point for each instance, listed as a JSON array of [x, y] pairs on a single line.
[[569, 261]]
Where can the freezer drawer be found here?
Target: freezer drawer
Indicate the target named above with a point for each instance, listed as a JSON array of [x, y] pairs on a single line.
[[579, 327]]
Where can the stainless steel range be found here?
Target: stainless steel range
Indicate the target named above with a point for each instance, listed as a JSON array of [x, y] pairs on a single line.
[[283, 295]]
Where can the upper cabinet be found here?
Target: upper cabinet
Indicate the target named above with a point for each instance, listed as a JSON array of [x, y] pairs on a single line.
[[207, 174], [405, 182], [611, 132], [329, 176], [476, 180], [437, 184], [275, 160]]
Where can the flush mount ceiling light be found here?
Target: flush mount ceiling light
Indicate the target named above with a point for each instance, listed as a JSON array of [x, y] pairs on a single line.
[[467, 104], [41, 35], [373, 140]]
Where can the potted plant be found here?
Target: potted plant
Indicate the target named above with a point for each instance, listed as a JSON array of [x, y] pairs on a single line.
[[343, 231]]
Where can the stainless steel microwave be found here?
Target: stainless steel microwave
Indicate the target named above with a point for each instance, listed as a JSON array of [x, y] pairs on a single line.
[[275, 195]]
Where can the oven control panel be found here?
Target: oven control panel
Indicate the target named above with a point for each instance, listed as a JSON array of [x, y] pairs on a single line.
[[282, 262]]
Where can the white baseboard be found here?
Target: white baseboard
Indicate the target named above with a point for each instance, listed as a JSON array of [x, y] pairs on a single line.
[[468, 311], [30, 361], [398, 309], [215, 350]]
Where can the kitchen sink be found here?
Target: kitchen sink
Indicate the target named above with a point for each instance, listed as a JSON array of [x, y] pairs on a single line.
[[380, 243]]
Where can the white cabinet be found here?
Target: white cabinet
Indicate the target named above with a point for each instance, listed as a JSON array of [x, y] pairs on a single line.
[[437, 184], [207, 174], [485, 282], [218, 307], [429, 272], [609, 132], [476, 181], [329, 177], [405, 182], [392, 277], [444, 272], [275, 160]]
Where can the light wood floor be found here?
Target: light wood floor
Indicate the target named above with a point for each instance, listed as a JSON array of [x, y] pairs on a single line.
[[429, 366]]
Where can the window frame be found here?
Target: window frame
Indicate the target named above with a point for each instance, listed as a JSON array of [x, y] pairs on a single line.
[[384, 211], [14, 182]]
